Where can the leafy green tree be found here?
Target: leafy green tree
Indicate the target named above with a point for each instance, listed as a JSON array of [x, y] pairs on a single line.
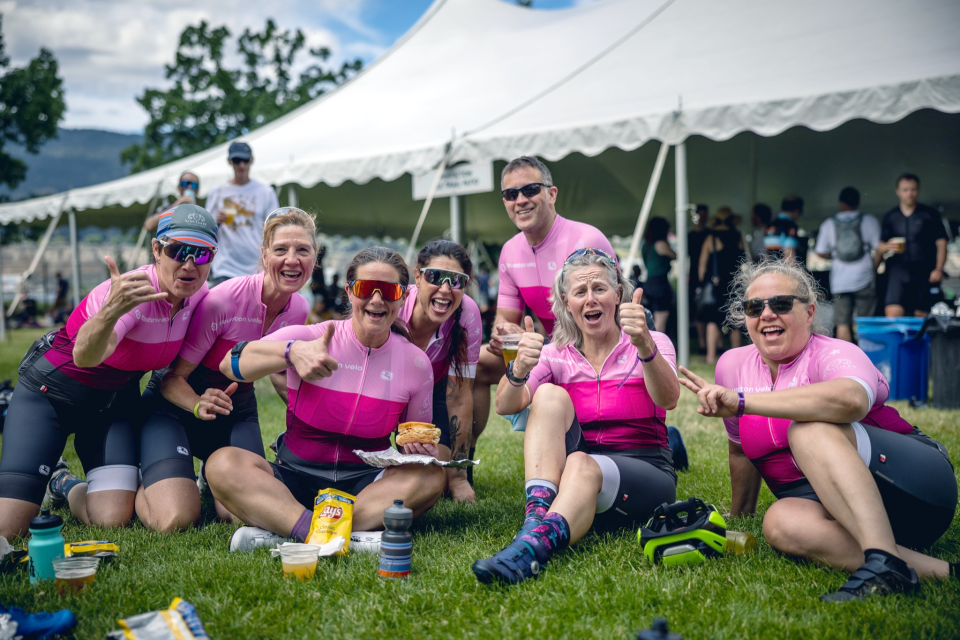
[[31, 106], [209, 103]]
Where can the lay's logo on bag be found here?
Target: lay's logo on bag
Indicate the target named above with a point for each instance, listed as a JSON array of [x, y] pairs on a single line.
[[331, 513]]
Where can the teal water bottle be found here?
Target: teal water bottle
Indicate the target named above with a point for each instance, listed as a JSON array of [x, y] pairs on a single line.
[[45, 544]]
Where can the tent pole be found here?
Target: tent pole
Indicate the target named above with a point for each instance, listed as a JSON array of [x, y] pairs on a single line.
[[21, 285], [3, 317], [143, 229], [683, 210], [292, 196], [426, 204], [455, 218], [645, 208], [74, 259]]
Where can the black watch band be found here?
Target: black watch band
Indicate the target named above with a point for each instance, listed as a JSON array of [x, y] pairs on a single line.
[[512, 378]]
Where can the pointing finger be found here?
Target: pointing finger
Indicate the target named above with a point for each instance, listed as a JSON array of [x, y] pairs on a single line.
[[700, 382], [528, 324], [637, 295]]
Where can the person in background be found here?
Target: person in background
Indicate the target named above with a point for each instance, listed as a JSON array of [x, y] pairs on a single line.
[[760, 217], [483, 288], [719, 260], [913, 237], [782, 237], [848, 239], [657, 255], [241, 207], [528, 263], [694, 245], [188, 187], [58, 311]]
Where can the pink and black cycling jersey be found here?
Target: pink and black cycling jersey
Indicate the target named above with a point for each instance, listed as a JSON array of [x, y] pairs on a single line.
[[147, 338], [372, 391], [232, 312], [439, 348], [527, 273], [764, 440], [614, 408]]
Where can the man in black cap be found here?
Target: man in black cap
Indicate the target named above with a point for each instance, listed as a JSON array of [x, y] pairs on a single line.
[[240, 206]]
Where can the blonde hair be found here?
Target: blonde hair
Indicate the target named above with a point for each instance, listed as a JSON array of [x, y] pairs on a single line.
[[289, 217], [566, 331], [804, 286]]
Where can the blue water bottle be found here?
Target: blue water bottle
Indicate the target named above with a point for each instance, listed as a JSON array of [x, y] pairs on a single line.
[[45, 544], [396, 544]]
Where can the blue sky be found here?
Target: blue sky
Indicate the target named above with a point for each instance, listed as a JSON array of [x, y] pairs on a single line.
[[110, 50]]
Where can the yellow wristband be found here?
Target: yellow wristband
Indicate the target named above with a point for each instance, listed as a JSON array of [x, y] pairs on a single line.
[[195, 411]]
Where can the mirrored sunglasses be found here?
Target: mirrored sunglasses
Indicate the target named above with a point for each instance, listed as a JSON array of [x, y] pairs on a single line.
[[189, 184], [528, 191], [364, 289], [183, 252], [437, 277], [753, 308]]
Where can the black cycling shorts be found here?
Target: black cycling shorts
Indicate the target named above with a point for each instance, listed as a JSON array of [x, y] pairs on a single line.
[[909, 288], [306, 479], [916, 481], [172, 437], [635, 481], [36, 430]]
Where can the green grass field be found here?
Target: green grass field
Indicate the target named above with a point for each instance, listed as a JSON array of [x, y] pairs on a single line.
[[601, 588]]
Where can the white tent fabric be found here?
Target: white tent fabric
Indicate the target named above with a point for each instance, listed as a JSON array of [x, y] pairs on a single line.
[[500, 80]]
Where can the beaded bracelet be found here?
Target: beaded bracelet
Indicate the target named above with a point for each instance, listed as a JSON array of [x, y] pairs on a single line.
[[286, 353], [652, 355], [741, 404]]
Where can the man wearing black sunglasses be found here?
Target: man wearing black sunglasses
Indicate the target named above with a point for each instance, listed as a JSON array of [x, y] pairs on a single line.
[[187, 188], [241, 207], [528, 264]]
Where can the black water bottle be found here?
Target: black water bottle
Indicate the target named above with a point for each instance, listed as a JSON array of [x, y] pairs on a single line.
[[658, 631], [396, 544]]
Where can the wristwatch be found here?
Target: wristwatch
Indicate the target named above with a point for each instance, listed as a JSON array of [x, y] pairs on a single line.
[[512, 378], [235, 359]]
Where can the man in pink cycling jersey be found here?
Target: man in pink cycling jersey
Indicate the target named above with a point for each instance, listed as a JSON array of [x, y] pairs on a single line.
[[529, 262]]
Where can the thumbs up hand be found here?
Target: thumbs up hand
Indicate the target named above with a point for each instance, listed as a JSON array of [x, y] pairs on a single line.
[[633, 321], [215, 402], [528, 353], [312, 358], [127, 290]]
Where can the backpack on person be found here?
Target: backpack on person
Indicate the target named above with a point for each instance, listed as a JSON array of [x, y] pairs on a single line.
[[849, 245]]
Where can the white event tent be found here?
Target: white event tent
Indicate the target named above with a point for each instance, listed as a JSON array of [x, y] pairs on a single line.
[[484, 80]]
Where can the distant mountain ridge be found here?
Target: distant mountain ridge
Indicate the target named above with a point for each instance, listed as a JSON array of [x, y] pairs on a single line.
[[76, 158]]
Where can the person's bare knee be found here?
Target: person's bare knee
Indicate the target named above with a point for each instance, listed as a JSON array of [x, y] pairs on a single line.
[[552, 403], [228, 469], [583, 470], [15, 516], [113, 508], [783, 530]]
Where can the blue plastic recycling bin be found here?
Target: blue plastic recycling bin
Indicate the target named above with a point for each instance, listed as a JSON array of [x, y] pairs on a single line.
[[903, 361]]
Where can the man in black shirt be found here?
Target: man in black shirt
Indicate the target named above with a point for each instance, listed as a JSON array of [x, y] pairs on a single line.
[[913, 237]]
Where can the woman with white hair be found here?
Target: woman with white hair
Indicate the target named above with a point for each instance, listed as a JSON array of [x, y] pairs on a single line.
[[595, 447]]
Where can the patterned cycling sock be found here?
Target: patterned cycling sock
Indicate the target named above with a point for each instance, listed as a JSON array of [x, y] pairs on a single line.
[[540, 495], [552, 535], [61, 485], [301, 530]]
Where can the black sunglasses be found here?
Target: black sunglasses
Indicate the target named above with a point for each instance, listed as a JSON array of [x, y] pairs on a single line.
[[528, 191], [239, 160], [189, 184], [753, 308]]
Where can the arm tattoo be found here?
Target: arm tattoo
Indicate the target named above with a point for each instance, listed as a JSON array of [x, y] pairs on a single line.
[[459, 452]]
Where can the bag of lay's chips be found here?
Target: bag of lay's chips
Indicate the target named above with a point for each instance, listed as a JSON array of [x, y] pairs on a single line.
[[332, 517]]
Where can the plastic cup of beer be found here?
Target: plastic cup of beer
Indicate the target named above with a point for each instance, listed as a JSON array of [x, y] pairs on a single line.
[[74, 573], [511, 342], [299, 560], [901, 244]]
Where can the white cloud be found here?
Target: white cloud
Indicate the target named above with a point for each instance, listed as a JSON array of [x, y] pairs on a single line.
[[109, 51]]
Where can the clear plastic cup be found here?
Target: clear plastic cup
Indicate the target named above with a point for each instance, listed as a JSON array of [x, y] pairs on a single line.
[[511, 342], [901, 244], [74, 573], [299, 560]]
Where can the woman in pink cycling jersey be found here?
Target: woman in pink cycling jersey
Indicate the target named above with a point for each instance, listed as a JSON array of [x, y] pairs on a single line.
[[350, 382], [595, 448], [446, 325], [86, 380], [856, 484], [200, 409]]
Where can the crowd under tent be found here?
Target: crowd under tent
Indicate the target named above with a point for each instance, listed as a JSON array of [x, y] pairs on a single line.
[[738, 88]]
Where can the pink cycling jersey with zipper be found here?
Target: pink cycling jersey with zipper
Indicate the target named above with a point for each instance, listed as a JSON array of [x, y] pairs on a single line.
[[233, 312], [147, 337], [357, 407], [527, 273], [439, 348], [614, 408], [764, 440]]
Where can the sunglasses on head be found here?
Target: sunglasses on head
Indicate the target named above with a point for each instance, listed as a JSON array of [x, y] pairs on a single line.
[[528, 191], [753, 308], [437, 277], [189, 184], [183, 252], [364, 289], [588, 251]]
